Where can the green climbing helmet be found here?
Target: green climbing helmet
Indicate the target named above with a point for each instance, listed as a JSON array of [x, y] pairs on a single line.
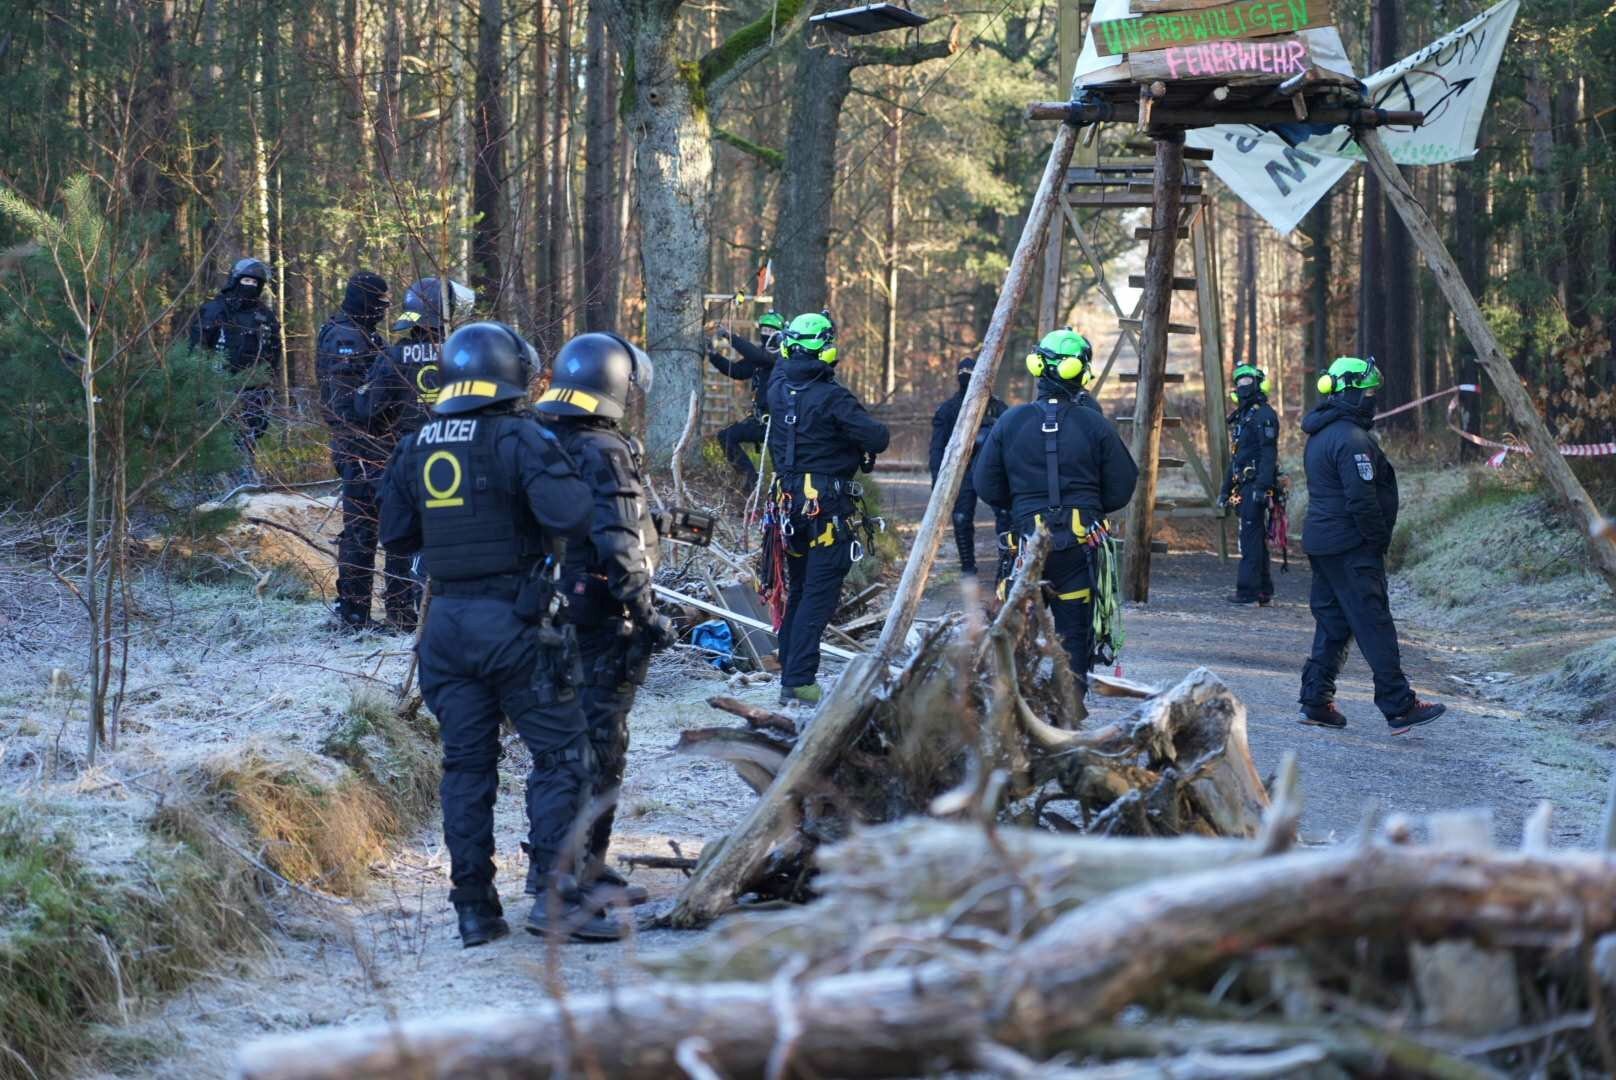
[[771, 320], [1249, 371], [1063, 353], [812, 333], [1349, 372]]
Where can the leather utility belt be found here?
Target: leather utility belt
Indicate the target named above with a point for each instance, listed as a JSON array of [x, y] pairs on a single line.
[[838, 509]]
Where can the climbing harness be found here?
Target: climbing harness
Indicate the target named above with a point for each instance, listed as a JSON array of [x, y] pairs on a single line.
[[1279, 522]]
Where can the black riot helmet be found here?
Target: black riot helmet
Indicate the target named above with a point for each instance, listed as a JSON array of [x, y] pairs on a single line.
[[593, 373], [248, 278], [423, 305], [483, 364]]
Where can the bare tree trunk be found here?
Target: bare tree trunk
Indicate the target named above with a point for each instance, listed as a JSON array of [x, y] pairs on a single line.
[[561, 165], [1386, 308], [488, 131], [1246, 350], [889, 336], [388, 89], [808, 181], [599, 258], [1316, 227], [544, 152]]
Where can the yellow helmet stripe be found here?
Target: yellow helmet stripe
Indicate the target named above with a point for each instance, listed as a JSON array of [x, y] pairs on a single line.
[[587, 402], [469, 388]]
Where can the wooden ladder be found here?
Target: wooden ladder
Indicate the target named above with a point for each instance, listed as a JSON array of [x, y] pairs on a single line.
[[1102, 184]]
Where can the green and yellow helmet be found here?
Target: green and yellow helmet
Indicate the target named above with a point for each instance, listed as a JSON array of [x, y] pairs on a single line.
[[1064, 354], [771, 320], [812, 333], [1350, 373], [1249, 371]]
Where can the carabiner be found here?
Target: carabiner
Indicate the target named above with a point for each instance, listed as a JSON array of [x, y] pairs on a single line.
[[858, 550], [811, 509]]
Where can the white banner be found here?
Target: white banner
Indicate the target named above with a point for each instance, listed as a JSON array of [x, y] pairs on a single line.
[[1449, 80]]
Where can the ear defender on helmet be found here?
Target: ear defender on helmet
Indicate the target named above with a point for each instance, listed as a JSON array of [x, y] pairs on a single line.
[[1349, 372], [1064, 354], [812, 333]]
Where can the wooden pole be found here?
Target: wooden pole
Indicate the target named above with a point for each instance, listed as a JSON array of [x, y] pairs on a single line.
[[1208, 309], [713, 886], [1127, 112], [1545, 453], [1151, 401]]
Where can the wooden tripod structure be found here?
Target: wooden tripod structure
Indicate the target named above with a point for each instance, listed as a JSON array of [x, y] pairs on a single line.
[[1120, 184], [1164, 112]]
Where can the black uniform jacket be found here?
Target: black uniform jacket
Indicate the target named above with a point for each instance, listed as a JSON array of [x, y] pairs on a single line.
[[241, 333], [1096, 475], [942, 427], [817, 426], [622, 543], [1351, 487], [1254, 428], [756, 363], [344, 352]]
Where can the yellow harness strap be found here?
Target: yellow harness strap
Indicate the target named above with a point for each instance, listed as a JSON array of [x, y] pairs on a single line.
[[1080, 594]]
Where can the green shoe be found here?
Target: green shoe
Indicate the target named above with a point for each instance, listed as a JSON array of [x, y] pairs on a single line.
[[806, 695]]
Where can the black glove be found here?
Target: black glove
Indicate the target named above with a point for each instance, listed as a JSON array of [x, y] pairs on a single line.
[[659, 633], [867, 464]]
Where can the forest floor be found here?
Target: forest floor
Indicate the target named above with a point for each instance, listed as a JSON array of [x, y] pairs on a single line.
[[227, 669]]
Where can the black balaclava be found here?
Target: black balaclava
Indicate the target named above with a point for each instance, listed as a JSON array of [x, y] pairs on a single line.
[[962, 373], [366, 297]]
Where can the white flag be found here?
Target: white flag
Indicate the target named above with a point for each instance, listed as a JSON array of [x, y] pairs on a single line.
[[1449, 81]]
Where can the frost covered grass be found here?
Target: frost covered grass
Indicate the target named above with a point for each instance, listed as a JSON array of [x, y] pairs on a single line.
[[79, 946]]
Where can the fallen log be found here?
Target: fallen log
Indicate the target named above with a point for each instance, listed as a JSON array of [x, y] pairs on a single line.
[[1079, 971]]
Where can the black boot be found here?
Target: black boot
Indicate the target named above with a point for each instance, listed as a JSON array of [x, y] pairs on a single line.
[[609, 887], [564, 911], [481, 917]]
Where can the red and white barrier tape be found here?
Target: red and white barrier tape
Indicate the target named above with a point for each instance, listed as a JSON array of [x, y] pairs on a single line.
[[1462, 388], [1602, 449]]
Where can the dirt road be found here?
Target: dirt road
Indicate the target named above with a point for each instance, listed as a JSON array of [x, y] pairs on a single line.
[[1484, 752]]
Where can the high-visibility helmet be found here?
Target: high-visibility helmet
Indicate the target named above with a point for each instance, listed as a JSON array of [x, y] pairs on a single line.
[[1350, 373], [1246, 376], [814, 334], [771, 320], [1065, 355]]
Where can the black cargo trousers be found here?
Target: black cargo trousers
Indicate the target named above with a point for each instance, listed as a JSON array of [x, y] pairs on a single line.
[[356, 549], [479, 661]]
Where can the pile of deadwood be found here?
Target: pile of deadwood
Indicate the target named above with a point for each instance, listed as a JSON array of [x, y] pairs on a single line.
[[984, 720], [1061, 901]]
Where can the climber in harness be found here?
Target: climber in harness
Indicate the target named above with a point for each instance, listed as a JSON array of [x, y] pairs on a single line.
[[820, 438], [1251, 482], [1058, 463], [756, 365]]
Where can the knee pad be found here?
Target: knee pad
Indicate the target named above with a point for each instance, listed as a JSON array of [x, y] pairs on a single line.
[[962, 520], [575, 759]]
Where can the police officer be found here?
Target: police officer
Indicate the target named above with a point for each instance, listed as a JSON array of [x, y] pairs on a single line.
[[964, 514], [488, 498], [757, 365], [345, 349], [245, 338], [396, 398], [1058, 462], [1254, 430], [607, 579], [819, 438], [1351, 511]]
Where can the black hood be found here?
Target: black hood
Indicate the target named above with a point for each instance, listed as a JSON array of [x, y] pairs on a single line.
[[363, 298], [802, 367], [1051, 386], [1337, 407]]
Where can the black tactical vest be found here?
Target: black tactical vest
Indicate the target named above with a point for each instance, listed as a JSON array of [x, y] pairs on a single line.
[[417, 363], [475, 520]]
